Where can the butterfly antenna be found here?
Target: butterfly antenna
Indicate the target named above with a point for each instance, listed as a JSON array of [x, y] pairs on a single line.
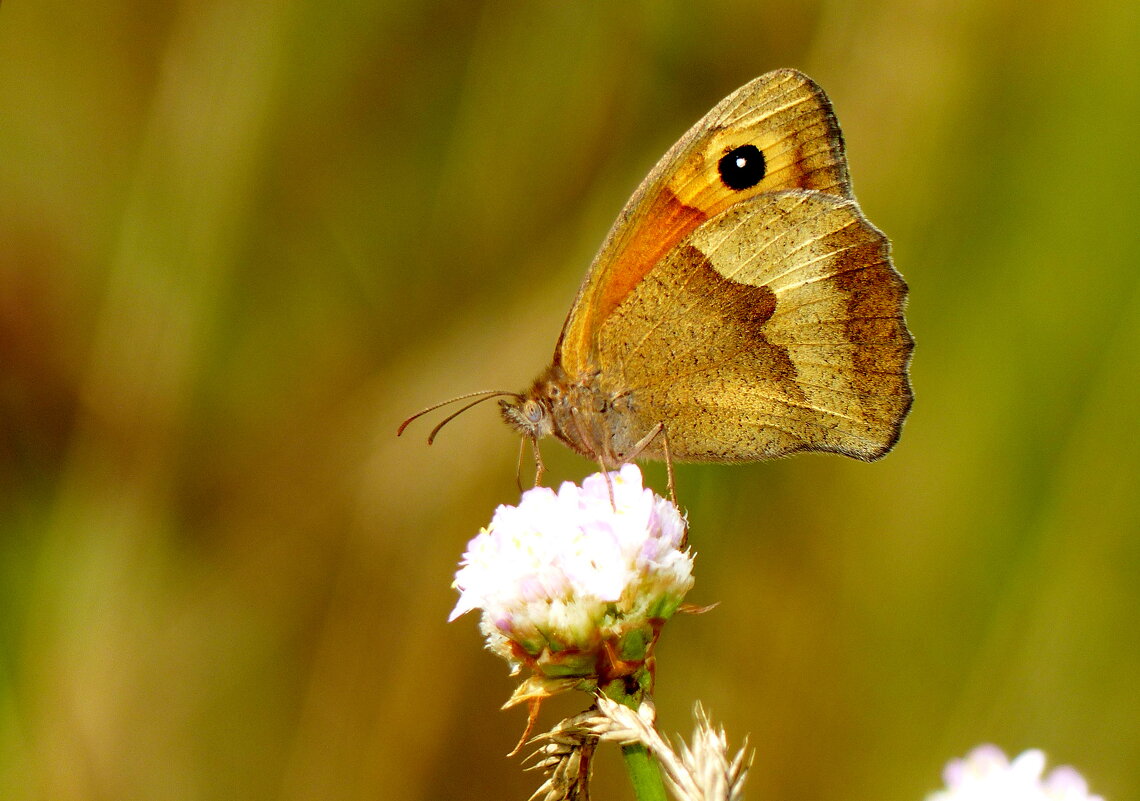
[[453, 415], [486, 395]]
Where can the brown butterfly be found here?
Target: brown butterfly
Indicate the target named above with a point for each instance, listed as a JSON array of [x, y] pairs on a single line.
[[741, 307]]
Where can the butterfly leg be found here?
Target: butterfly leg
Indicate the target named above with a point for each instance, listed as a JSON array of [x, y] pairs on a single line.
[[609, 481], [598, 453], [518, 465], [539, 465], [643, 443]]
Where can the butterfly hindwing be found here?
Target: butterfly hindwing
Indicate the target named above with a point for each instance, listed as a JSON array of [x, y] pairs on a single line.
[[774, 327]]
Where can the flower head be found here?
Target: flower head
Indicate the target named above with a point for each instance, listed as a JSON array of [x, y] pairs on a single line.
[[568, 576], [986, 774]]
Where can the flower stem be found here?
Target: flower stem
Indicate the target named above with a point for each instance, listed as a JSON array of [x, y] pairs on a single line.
[[643, 770], [643, 773]]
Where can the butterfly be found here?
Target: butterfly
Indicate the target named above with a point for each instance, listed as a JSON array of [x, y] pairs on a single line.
[[741, 307]]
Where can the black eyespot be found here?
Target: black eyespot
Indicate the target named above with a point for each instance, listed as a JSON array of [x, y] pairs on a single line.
[[742, 168]]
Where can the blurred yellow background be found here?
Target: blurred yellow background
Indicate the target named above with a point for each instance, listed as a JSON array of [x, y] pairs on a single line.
[[240, 240]]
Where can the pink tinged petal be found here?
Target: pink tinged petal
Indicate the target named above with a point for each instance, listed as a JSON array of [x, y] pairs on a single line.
[[1065, 779], [986, 774], [1028, 766], [461, 608], [531, 587]]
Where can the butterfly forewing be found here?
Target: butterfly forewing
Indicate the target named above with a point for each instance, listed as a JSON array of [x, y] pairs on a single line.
[[789, 122]]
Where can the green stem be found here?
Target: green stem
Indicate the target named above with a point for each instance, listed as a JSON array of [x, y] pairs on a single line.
[[643, 773]]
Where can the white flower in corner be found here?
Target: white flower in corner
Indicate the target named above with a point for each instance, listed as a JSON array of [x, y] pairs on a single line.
[[577, 583], [986, 774]]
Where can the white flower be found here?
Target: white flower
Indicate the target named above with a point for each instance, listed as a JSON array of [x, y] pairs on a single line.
[[566, 573], [986, 774]]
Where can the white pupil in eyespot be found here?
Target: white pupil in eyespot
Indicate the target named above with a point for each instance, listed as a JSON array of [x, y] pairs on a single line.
[[741, 161]]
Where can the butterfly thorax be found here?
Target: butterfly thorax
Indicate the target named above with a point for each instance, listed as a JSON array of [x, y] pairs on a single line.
[[596, 421]]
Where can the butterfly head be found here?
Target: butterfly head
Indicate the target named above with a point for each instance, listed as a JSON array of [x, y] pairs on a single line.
[[532, 413], [530, 416]]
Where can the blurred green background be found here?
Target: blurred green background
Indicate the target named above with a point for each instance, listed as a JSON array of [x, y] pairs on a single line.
[[241, 240]]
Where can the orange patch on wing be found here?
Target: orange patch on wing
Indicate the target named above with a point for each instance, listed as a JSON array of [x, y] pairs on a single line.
[[663, 225]]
